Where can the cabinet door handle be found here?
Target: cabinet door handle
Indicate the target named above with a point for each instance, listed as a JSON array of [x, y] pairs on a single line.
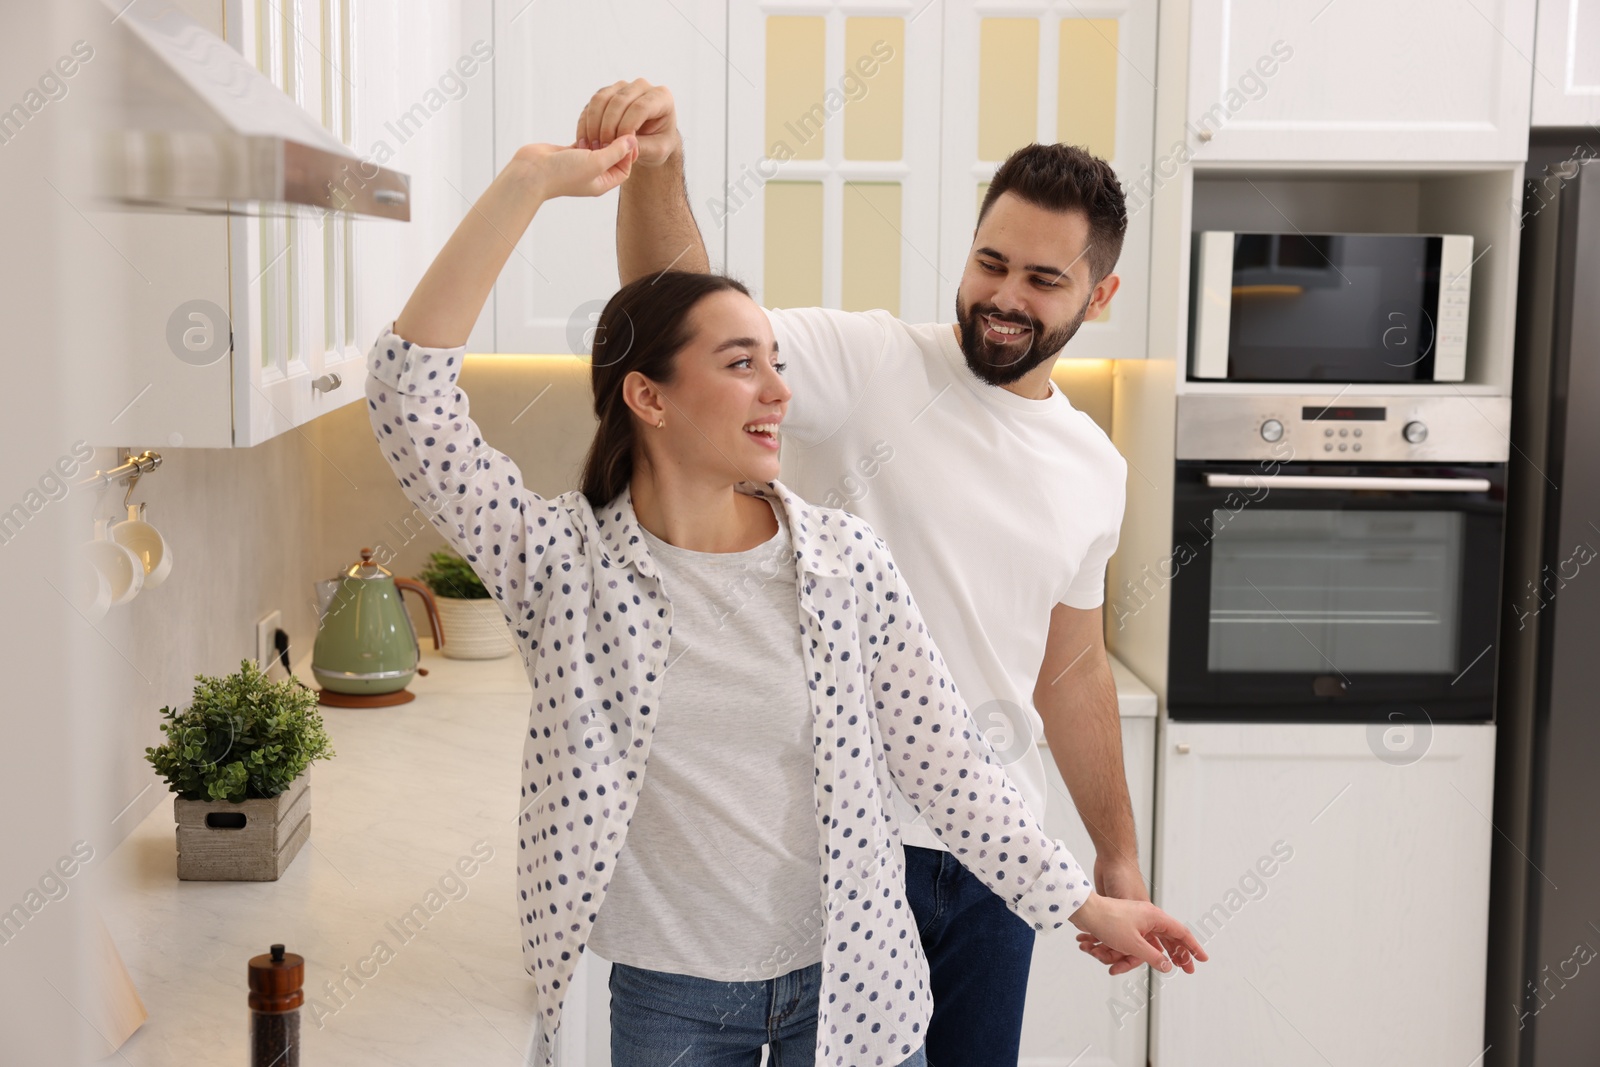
[[1183, 748], [327, 383]]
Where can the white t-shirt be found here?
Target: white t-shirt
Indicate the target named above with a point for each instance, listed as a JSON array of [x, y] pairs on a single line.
[[996, 507], [721, 874]]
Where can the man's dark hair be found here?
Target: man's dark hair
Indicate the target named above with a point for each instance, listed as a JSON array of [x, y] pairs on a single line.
[[1063, 177]]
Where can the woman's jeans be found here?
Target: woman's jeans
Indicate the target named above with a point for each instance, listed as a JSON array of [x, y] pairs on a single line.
[[660, 1019]]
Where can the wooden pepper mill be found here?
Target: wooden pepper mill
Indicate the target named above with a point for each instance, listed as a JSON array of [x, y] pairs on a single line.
[[276, 994]]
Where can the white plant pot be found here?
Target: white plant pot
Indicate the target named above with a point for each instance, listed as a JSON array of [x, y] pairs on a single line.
[[473, 629]]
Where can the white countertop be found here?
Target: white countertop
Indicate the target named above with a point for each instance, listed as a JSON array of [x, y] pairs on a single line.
[[412, 790]]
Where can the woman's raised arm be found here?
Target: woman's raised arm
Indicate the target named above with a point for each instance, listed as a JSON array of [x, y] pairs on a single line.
[[450, 296], [474, 493]]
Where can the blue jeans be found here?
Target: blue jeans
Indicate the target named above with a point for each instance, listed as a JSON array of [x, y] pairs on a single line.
[[659, 1019], [979, 953]]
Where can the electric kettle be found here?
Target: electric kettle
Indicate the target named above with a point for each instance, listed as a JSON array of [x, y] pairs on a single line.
[[367, 651]]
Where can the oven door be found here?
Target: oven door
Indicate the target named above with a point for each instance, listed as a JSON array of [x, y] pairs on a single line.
[[1334, 592]]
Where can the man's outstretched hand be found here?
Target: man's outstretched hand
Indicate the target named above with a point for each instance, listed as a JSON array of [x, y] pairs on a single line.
[[636, 107]]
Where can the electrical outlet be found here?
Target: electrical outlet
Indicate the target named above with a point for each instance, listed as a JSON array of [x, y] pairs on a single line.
[[268, 625]]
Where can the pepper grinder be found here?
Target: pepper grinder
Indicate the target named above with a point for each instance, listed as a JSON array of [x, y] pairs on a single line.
[[276, 995]]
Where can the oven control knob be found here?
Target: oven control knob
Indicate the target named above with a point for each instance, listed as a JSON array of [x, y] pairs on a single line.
[[1272, 430], [1415, 432]]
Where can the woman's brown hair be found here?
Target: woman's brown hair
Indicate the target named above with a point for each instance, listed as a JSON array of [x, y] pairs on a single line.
[[643, 327]]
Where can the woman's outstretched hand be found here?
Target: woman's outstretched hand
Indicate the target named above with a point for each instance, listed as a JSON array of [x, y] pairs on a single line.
[[1128, 933], [567, 170]]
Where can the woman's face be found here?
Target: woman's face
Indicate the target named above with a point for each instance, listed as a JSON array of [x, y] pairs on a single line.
[[726, 398]]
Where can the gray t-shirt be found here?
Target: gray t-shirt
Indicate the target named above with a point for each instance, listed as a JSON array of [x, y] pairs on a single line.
[[721, 873]]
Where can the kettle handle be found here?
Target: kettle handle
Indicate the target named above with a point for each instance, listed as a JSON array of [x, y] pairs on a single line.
[[413, 586]]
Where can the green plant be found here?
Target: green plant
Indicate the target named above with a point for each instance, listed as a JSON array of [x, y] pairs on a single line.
[[243, 737], [447, 574]]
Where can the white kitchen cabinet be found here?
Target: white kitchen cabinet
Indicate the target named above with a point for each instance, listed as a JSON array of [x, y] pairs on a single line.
[[549, 60], [1338, 876], [1077, 1014], [1050, 71], [863, 137], [239, 325], [1359, 80], [833, 171], [292, 277], [1566, 57]]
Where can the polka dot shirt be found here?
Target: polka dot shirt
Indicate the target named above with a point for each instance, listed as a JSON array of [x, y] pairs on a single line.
[[584, 600]]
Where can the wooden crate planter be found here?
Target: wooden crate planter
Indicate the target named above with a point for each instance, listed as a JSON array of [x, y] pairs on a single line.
[[253, 841]]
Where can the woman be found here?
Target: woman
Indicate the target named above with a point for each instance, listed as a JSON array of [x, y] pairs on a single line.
[[727, 682]]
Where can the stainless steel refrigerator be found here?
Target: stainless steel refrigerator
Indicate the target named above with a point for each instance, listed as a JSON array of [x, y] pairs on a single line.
[[1544, 963]]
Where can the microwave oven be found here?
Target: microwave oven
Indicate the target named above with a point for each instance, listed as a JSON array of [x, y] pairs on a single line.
[[1332, 307]]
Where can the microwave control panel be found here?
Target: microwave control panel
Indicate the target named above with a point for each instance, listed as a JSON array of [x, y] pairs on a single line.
[[1368, 429]]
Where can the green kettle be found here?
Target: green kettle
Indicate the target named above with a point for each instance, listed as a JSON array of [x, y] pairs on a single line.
[[367, 651]]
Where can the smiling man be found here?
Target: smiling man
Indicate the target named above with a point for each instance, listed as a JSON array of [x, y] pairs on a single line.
[[1001, 500]]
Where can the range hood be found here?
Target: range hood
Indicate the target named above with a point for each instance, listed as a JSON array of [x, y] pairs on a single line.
[[198, 129]]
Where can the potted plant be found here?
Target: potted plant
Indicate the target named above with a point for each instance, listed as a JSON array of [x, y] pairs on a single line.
[[238, 758], [473, 625]]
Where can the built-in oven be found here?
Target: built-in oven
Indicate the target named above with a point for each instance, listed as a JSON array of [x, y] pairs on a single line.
[[1336, 563], [1330, 307]]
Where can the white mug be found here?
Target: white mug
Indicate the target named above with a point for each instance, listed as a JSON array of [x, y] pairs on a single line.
[[122, 570], [146, 542], [91, 593]]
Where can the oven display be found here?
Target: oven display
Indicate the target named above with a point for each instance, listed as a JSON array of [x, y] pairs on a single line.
[[1344, 414]]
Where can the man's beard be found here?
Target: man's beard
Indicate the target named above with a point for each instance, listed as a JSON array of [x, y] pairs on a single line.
[[1001, 364]]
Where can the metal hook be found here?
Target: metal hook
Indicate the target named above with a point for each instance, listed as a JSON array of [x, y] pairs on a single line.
[[132, 481]]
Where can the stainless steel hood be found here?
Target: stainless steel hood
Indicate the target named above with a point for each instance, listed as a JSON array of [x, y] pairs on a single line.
[[198, 129]]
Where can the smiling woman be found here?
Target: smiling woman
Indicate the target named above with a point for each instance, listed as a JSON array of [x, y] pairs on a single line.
[[676, 820]]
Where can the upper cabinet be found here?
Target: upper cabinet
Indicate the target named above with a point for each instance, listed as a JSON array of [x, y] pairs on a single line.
[[1360, 80], [1566, 78], [292, 288], [244, 327], [550, 58], [833, 168], [862, 140]]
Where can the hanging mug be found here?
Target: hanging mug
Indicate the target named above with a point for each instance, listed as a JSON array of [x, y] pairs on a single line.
[[146, 542], [121, 568]]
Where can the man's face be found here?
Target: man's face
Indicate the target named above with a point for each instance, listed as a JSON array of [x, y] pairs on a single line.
[[1026, 289]]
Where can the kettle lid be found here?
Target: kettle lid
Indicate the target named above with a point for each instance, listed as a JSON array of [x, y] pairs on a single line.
[[366, 568]]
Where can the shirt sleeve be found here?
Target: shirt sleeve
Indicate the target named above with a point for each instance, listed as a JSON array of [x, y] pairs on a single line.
[[1087, 590], [831, 357], [944, 767], [473, 493]]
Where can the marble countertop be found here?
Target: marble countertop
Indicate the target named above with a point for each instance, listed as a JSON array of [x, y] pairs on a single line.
[[413, 792]]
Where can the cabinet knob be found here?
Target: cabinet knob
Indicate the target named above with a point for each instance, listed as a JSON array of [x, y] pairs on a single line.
[[1204, 134], [327, 383], [1183, 748]]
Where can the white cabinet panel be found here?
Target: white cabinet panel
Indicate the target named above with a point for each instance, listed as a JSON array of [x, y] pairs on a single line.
[[1341, 894], [426, 88], [1566, 81], [1360, 80], [549, 60], [1076, 1013]]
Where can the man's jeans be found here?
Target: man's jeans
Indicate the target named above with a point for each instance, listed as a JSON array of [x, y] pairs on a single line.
[[659, 1018], [979, 953]]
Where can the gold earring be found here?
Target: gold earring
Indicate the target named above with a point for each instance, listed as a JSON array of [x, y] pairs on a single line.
[[661, 424]]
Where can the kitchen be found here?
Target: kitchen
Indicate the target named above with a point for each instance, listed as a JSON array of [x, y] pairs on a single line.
[[159, 329]]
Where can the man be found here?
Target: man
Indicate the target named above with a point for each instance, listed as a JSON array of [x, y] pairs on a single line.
[[1001, 501]]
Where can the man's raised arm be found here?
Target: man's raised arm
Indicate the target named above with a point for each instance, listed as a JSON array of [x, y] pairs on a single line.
[[656, 230]]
